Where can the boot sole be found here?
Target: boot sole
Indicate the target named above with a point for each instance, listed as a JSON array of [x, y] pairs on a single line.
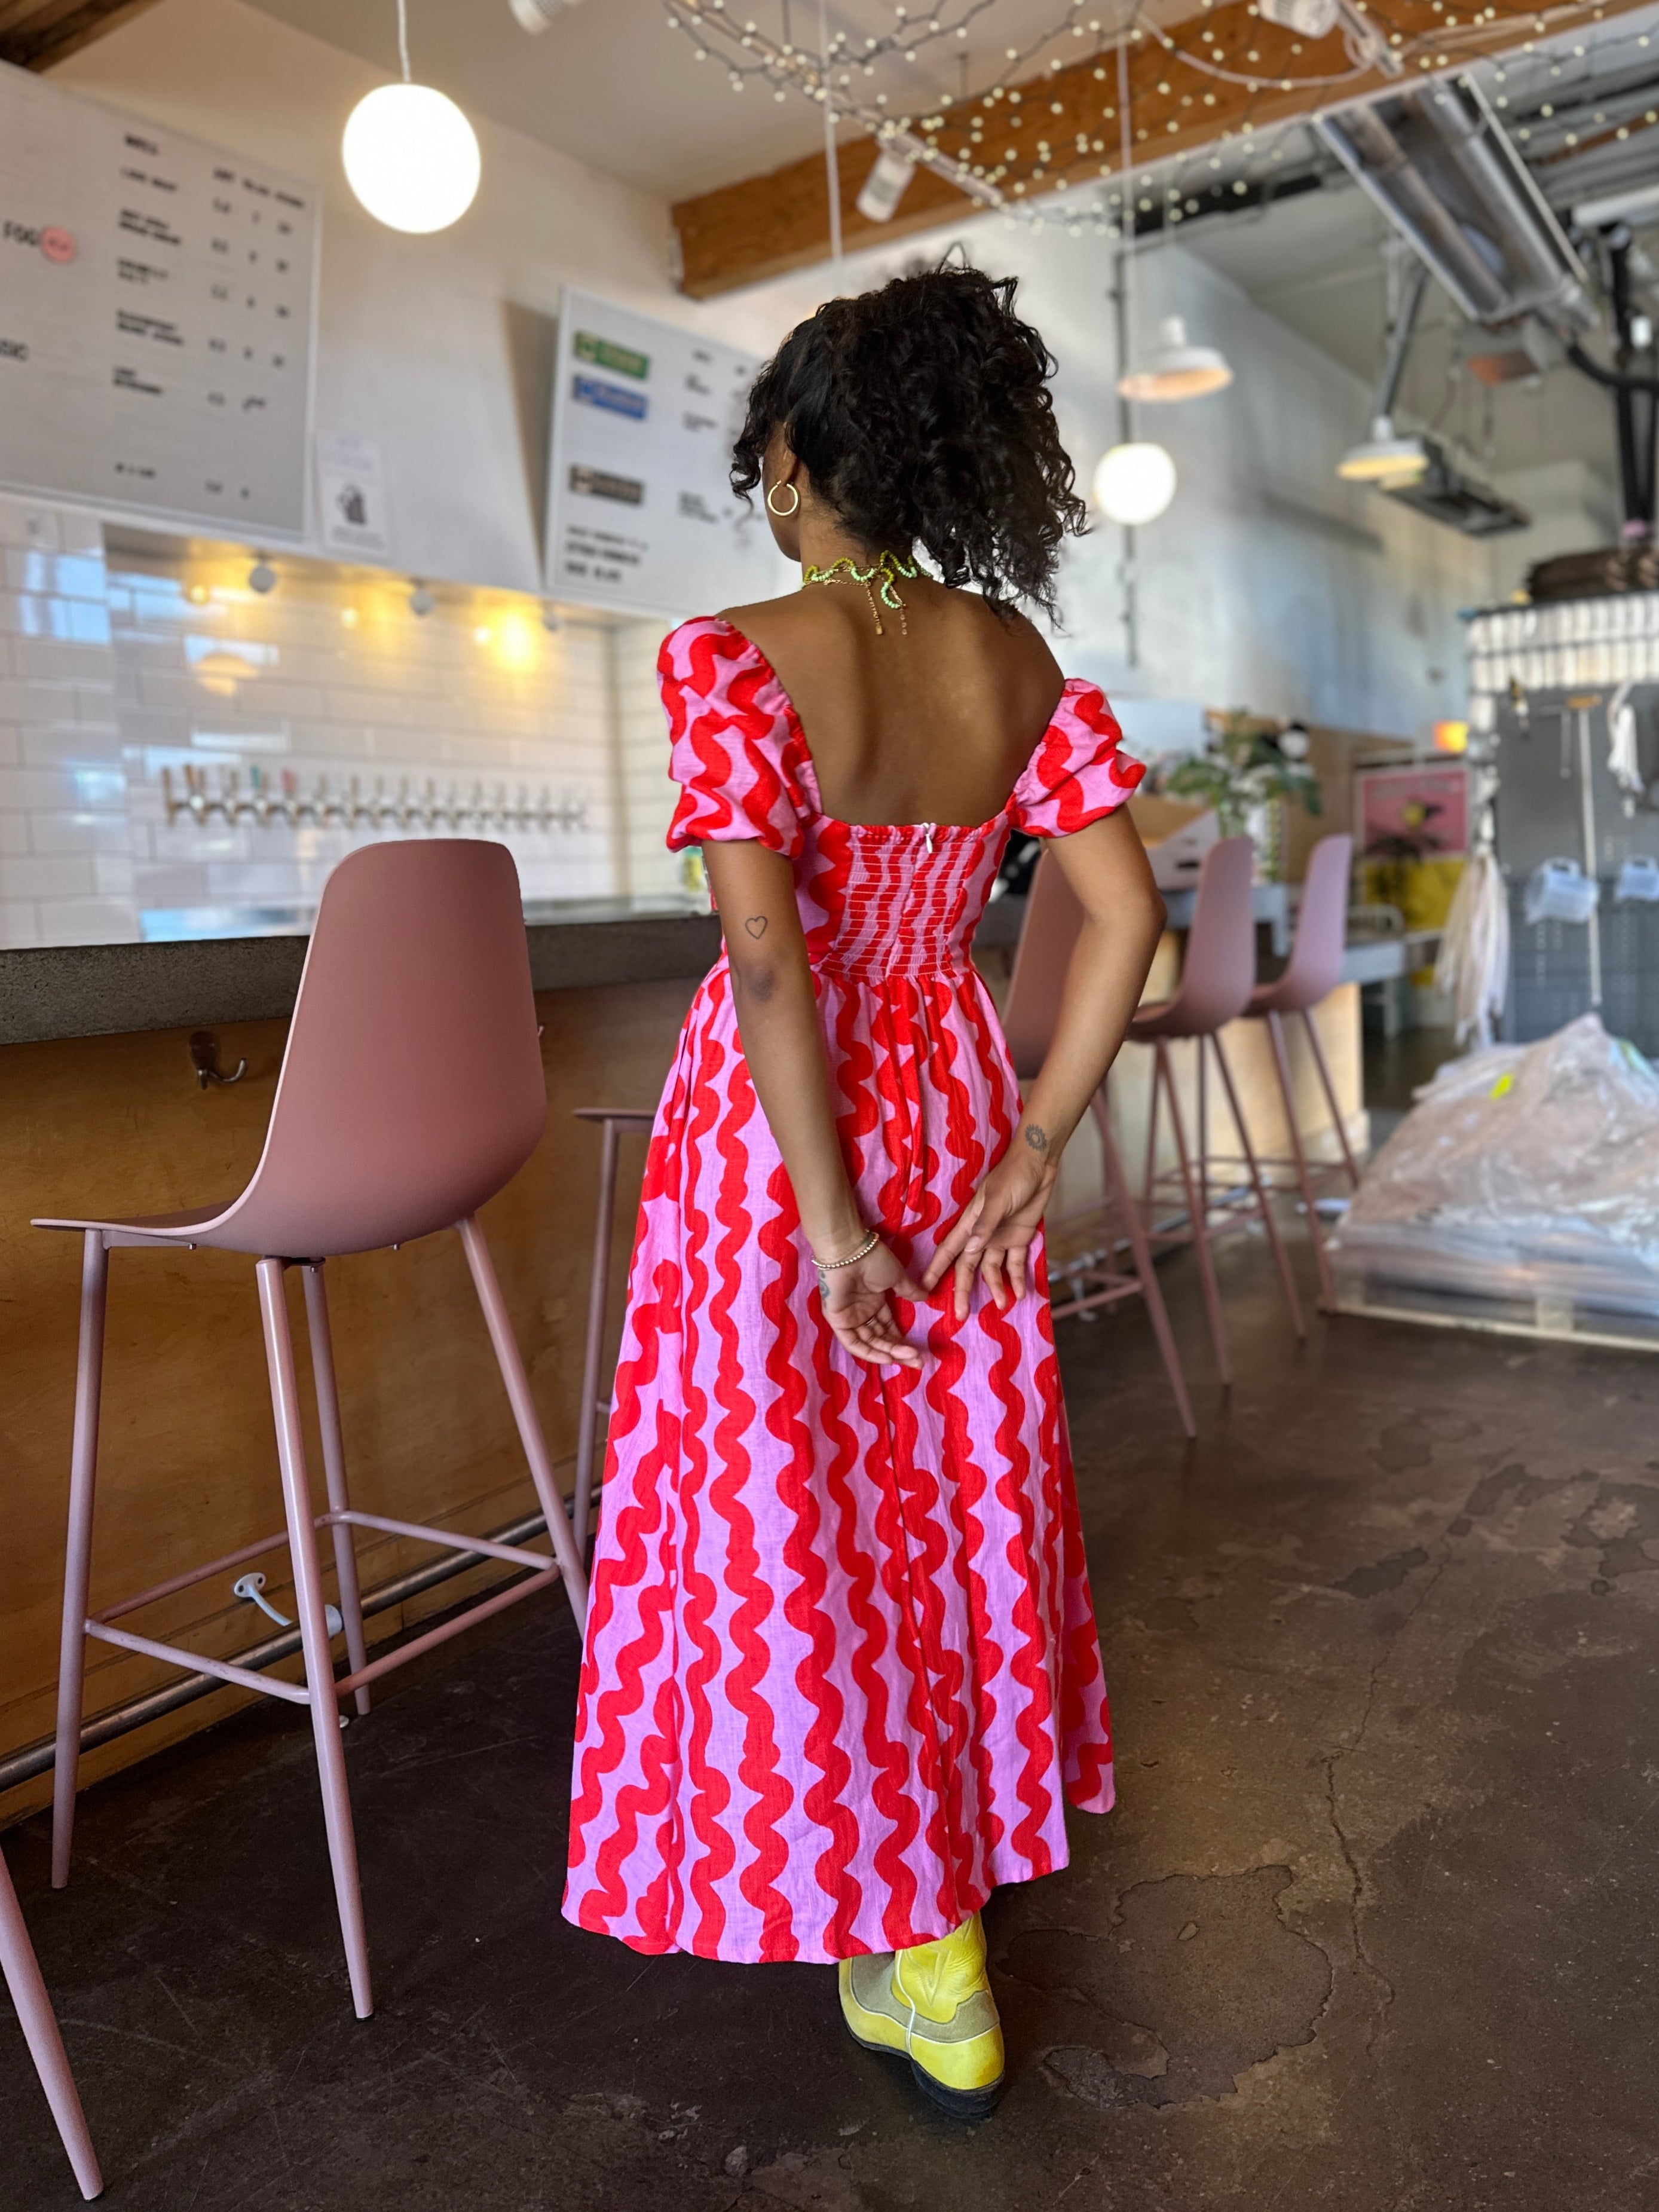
[[960, 2104]]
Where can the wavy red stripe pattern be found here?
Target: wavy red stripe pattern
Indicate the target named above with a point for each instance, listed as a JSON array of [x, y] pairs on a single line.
[[842, 1667]]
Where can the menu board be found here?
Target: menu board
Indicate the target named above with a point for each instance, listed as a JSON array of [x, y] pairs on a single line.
[[156, 314], [641, 516]]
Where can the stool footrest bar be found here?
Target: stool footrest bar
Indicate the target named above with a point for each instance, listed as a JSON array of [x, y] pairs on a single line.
[[159, 1590], [446, 1539], [294, 1694], [445, 1630]]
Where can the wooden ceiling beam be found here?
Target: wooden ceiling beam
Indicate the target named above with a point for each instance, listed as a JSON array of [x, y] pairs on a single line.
[[1062, 127], [36, 34]]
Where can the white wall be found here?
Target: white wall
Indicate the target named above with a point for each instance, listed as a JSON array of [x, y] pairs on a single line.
[[1269, 583], [65, 860], [440, 347]]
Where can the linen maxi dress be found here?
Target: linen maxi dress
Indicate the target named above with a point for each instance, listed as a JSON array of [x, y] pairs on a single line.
[[841, 1659]]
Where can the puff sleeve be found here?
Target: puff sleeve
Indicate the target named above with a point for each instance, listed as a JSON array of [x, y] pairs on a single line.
[[1078, 772], [735, 745]]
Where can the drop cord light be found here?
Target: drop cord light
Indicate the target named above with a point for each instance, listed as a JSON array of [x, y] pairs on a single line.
[[411, 155], [1135, 480]]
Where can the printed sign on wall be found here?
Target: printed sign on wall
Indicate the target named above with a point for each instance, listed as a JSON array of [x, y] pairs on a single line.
[[155, 317], [351, 516], [641, 516]]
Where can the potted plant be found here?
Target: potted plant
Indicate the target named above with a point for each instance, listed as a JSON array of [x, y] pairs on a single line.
[[1249, 768]]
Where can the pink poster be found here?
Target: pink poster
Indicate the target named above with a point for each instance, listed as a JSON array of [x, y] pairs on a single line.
[[1420, 813]]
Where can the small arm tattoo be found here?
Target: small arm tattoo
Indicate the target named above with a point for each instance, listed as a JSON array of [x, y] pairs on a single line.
[[756, 925], [1036, 1136]]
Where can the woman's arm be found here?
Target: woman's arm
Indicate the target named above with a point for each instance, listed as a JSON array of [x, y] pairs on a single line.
[[1106, 866], [777, 1014]]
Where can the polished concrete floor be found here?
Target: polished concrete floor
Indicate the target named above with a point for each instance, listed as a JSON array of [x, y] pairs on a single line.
[[1373, 1927]]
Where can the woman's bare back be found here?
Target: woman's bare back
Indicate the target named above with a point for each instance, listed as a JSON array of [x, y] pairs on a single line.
[[932, 721]]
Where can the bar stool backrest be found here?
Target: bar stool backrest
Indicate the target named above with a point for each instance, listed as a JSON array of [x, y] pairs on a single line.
[[1054, 916], [1315, 967], [1218, 971], [412, 1088]]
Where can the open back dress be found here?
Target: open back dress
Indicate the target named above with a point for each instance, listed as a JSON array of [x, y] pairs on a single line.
[[841, 1660]]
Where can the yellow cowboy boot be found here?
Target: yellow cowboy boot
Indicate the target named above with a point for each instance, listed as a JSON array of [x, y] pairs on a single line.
[[933, 2005]]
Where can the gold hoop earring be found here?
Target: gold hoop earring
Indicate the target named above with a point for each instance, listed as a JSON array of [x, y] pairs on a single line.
[[784, 513]]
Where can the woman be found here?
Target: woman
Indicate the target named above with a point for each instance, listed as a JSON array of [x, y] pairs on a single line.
[[841, 1660]]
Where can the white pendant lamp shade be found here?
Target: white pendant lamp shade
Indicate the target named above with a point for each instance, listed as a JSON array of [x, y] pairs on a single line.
[[412, 157], [1384, 458], [1134, 484], [1176, 370]]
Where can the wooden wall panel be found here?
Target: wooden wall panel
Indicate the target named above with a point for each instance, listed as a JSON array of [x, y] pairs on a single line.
[[188, 1466], [35, 33]]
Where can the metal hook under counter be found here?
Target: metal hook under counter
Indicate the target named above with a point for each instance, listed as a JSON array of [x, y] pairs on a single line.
[[204, 1058]]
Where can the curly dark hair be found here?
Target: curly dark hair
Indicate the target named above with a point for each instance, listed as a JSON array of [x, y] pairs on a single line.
[[922, 411]]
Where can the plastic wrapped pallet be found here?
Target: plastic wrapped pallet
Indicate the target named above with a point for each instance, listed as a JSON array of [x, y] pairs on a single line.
[[1524, 1174]]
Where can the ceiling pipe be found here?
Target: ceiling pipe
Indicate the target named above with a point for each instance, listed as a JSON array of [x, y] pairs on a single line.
[[1408, 189], [1413, 284], [1483, 168]]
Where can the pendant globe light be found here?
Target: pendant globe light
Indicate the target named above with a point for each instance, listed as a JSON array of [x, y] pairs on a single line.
[[411, 155], [1135, 480]]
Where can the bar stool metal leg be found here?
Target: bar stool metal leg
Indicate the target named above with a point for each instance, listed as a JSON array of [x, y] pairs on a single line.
[[78, 1567], [334, 1473], [1323, 1065], [1280, 1256], [314, 1631], [1118, 1194], [1299, 1154], [511, 1363], [593, 1353], [46, 2045], [1195, 1215]]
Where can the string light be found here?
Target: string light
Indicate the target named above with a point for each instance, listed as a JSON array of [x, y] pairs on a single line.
[[991, 180]]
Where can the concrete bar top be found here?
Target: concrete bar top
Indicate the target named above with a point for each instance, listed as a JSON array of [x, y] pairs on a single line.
[[109, 990]]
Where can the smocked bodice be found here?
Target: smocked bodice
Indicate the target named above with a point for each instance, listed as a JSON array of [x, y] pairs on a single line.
[[876, 901]]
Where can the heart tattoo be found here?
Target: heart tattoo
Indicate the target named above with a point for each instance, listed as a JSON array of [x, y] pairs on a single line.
[[756, 925]]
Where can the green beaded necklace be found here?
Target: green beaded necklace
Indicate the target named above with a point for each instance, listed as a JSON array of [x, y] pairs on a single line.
[[882, 573]]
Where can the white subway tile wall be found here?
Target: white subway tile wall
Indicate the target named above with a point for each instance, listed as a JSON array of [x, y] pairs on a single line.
[[648, 791], [66, 874], [182, 756]]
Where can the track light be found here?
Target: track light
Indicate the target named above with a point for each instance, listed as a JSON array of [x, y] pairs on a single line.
[[261, 577], [421, 600], [535, 15], [1309, 18], [884, 187]]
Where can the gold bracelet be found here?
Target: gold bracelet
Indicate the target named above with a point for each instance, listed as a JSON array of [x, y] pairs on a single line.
[[872, 1238]]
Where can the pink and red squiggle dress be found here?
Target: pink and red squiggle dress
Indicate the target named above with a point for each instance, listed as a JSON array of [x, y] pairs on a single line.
[[842, 1661]]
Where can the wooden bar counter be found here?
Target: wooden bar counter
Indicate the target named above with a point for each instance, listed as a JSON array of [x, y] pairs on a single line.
[[102, 1113]]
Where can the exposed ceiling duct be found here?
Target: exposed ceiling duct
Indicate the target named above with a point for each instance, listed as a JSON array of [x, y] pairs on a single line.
[[1438, 164]]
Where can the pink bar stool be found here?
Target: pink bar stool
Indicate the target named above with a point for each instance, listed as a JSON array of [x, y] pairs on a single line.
[[1218, 976], [1053, 917], [1312, 972], [411, 1089], [34, 2015], [617, 1122]]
